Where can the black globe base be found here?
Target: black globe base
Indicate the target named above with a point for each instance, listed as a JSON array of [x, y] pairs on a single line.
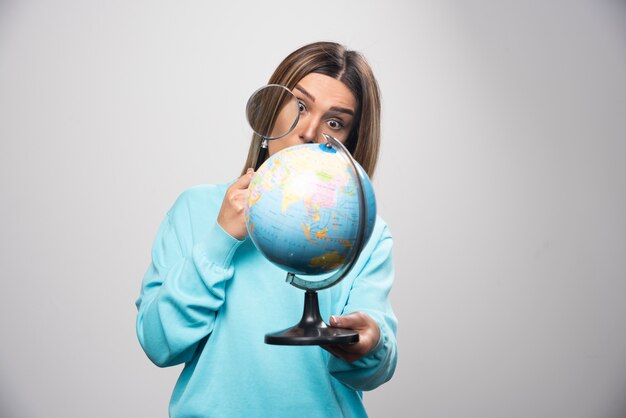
[[312, 330]]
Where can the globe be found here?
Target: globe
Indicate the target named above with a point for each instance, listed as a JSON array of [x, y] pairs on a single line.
[[302, 210]]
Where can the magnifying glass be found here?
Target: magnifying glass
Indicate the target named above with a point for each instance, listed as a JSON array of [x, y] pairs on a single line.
[[272, 113]]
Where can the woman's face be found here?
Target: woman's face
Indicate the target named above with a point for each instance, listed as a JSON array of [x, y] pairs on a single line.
[[326, 106]]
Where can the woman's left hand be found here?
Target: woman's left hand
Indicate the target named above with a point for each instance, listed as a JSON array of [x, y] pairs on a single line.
[[368, 336]]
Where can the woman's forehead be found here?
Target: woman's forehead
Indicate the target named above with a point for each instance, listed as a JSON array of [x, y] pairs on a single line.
[[326, 91]]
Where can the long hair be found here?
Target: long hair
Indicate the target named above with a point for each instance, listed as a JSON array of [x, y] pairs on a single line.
[[349, 67]]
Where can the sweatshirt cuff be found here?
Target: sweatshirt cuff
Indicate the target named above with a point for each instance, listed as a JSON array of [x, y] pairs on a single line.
[[218, 248], [376, 354]]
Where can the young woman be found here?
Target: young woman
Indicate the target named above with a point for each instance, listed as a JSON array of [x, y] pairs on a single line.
[[209, 296]]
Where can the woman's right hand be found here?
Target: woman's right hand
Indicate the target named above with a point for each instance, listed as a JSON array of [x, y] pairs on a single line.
[[230, 217]]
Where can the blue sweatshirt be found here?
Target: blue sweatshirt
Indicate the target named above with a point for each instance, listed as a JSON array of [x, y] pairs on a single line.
[[208, 299]]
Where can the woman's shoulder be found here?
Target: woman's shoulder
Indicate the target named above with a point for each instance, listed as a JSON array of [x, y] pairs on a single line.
[[381, 229], [197, 202], [380, 234], [200, 194]]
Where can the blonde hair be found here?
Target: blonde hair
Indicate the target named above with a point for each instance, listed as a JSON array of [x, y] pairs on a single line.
[[349, 67]]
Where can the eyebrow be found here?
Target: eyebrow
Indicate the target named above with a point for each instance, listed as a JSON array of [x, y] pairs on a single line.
[[342, 110], [306, 93], [334, 108]]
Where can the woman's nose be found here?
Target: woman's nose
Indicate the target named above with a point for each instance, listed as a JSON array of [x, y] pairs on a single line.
[[309, 129]]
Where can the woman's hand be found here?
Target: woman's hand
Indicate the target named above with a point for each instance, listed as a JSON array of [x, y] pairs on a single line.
[[230, 217], [369, 334]]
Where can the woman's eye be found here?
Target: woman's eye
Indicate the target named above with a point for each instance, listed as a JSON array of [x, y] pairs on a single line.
[[301, 107], [335, 124]]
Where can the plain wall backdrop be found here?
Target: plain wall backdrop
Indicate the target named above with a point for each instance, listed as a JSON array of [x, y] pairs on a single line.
[[502, 177]]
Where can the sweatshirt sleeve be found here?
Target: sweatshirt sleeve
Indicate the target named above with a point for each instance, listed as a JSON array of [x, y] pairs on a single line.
[[370, 294], [182, 291]]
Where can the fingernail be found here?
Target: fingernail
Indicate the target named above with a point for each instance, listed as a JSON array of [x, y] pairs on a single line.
[[334, 319], [250, 170]]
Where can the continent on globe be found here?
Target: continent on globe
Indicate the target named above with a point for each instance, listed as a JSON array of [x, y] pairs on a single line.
[[302, 210]]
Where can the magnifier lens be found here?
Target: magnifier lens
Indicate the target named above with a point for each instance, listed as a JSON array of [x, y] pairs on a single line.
[[272, 111]]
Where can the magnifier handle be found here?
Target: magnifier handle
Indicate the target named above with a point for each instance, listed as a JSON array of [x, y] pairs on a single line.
[[262, 155]]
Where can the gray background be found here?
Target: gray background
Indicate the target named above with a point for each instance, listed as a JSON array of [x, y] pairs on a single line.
[[502, 176]]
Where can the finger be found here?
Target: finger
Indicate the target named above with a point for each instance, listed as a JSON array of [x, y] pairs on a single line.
[[238, 199], [355, 320], [244, 181]]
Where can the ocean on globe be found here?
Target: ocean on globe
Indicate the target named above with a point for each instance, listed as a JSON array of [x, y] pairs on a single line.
[[302, 210]]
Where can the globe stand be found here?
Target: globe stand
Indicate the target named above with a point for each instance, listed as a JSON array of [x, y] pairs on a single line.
[[312, 330]]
